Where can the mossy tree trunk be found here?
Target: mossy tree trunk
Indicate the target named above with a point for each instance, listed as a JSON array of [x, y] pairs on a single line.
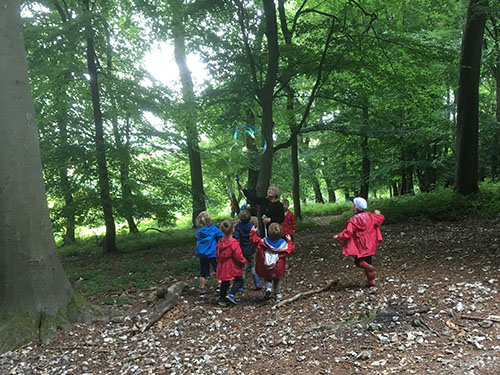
[[36, 297]]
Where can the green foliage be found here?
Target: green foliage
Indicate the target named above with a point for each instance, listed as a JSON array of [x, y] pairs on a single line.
[[132, 241], [137, 266], [441, 205], [325, 209], [305, 224], [400, 66]]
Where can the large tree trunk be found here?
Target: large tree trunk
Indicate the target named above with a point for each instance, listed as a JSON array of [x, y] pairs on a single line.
[[466, 172], [109, 244], [36, 296], [189, 115], [266, 96], [290, 98]]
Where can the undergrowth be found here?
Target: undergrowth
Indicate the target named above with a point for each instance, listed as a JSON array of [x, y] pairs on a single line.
[[150, 255], [441, 205]]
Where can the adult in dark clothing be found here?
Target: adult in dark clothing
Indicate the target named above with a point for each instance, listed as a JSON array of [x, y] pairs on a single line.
[[270, 205]]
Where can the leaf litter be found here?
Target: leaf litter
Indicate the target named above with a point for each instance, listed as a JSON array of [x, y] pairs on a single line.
[[436, 310]]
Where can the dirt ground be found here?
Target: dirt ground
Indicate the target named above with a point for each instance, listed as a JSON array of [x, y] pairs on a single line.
[[436, 310]]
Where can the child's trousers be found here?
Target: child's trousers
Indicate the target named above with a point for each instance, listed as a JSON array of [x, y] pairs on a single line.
[[274, 285], [238, 282]]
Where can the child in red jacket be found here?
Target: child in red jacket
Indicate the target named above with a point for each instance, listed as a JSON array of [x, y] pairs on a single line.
[[290, 222], [270, 262], [361, 236], [230, 262]]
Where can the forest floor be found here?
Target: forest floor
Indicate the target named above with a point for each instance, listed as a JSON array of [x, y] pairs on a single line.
[[436, 310]]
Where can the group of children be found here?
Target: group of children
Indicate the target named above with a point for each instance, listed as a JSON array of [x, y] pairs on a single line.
[[232, 251]]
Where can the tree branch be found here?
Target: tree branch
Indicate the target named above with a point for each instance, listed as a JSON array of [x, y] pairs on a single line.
[[241, 21], [312, 96]]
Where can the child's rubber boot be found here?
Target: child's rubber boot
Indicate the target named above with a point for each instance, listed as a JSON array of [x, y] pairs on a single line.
[[370, 276], [368, 268], [258, 285]]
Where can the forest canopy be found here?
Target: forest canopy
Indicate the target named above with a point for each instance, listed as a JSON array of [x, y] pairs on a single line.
[[324, 99]]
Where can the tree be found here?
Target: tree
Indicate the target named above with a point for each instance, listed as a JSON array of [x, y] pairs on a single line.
[[109, 244], [36, 296], [189, 117], [466, 172], [264, 91]]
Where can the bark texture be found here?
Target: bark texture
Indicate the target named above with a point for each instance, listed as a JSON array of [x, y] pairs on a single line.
[[109, 244], [36, 296], [188, 118], [466, 172]]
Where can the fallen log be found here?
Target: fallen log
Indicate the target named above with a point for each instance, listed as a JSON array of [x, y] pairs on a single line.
[[328, 285], [171, 300], [495, 319]]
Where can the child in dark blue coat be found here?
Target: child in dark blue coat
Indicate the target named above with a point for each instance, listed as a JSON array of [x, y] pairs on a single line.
[[207, 236], [242, 234]]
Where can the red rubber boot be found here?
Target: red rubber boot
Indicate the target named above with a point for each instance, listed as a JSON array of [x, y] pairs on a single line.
[[369, 272]]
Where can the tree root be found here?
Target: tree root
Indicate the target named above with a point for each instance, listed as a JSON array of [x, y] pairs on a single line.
[[23, 328]]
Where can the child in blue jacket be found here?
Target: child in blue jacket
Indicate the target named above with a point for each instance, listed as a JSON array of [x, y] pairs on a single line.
[[207, 236]]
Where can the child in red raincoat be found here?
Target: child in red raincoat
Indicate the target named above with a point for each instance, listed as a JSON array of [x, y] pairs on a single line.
[[290, 222], [230, 262], [361, 236], [270, 262]]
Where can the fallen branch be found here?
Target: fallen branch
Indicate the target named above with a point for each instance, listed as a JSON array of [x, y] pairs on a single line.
[[171, 300], [419, 310], [308, 293], [495, 319], [157, 294]]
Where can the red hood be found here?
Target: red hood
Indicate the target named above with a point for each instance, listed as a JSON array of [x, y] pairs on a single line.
[[226, 245]]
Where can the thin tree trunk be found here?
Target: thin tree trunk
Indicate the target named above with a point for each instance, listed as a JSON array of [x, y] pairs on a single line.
[[495, 152], [296, 178], [318, 197], [68, 211], [69, 207], [124, 161], [365, 167], [466, 172], [109, 244], [189, 117], [331, 191], [365, 157], [294, 154], [122, 149]]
